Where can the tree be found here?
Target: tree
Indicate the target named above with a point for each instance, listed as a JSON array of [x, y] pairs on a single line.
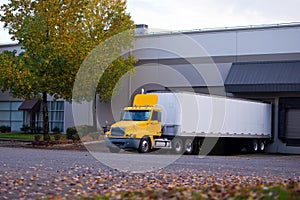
[[57, 35]]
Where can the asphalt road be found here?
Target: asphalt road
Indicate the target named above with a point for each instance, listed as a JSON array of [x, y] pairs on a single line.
[[30, 173]]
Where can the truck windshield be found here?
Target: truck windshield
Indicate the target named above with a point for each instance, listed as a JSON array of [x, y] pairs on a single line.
[[135, 115]]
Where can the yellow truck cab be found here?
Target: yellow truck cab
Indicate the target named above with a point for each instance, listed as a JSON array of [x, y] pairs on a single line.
[[138, 126]]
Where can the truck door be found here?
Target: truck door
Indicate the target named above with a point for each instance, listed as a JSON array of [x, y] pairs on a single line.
[[155, 123]]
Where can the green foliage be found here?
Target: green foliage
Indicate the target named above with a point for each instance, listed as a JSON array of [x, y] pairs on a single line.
[[94, 135], [25, 128], [56, 130], [37, 137], [70, 132], [36, 130], [75, 137], [84, 130], [5, 129], [57, 137], [57, 36], [74, 133]]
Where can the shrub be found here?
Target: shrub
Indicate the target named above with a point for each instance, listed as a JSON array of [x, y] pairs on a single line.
[[37, 138], [84, 130], [74, 133], [75, 137], [39, 129], [55, 130], [70, 132], [36, 130], [94, 135], [57, 137], [25, 128], [4, 129]]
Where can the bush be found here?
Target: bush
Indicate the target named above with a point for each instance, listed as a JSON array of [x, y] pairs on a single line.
[[25, 128], [70, 132], [39, 129], [5, 129], [37, 138], [55, 130], [94, 135], [74, 133], [75, 137], [84, 130], [57, 137]]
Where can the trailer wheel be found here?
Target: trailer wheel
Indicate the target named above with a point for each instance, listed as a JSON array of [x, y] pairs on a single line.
[[253, 146], [177, 146], [261, 145], [145, 145], [191, 146]]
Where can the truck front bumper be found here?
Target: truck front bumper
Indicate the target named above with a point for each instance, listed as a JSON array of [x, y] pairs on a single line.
[[122, 143]]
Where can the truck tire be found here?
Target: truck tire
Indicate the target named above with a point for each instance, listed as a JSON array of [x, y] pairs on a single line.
[[177, 145], [145, 145]]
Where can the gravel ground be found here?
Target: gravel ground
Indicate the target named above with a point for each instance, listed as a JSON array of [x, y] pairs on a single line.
[[42, 173]]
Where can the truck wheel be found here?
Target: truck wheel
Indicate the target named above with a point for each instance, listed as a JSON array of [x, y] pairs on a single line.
[[144, 145], [114, 150], [261, 145], [177, 146]]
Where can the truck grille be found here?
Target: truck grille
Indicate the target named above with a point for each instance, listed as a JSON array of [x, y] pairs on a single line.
[[117, 131]]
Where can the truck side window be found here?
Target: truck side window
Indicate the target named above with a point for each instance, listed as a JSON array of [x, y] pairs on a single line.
[[156, 116]]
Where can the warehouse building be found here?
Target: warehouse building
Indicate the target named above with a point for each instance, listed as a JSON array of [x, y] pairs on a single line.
[[260, 63]]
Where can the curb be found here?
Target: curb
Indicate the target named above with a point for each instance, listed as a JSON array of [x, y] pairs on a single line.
[[15, 140]]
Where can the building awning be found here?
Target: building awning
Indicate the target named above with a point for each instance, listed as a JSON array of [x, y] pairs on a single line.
[[30, 105], [279, 76]]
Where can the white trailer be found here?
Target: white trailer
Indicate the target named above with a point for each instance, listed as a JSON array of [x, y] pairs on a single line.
[[189, 118]]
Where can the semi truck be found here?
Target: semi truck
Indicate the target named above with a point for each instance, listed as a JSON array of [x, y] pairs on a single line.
[[181, 121]]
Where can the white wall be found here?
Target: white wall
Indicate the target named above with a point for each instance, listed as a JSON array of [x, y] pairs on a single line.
[[10, 47], [237, 42]]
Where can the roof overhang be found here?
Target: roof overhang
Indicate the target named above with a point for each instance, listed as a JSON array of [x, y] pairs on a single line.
[[30, 105], [279, 76]]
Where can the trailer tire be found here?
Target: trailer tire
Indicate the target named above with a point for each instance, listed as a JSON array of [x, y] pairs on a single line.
[[197, 145], [191, 146], [177, 145], [145, 145], [261, 145], [253, 146]]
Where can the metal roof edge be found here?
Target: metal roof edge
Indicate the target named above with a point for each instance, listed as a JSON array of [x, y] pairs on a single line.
[[265, 62], [222, 29]]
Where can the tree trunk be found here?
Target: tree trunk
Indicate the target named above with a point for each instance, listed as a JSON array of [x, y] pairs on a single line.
[[95, 113], [45, 117]]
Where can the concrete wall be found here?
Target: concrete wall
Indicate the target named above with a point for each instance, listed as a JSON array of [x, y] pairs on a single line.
[[235, 42]]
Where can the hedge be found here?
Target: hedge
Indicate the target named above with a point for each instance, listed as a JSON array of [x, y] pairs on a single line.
[[75, 132]]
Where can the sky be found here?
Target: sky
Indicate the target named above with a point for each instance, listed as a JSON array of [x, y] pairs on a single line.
[[169, 15]]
